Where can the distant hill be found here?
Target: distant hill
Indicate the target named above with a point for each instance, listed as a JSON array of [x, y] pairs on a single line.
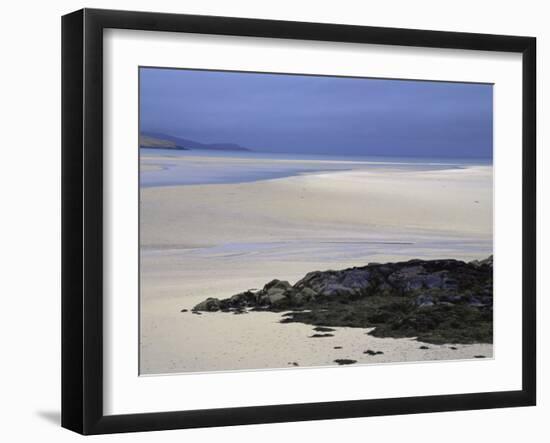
[[146, 141], [164, 141]]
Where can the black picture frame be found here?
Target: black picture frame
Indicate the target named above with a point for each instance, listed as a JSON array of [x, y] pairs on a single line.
[[82, 221]]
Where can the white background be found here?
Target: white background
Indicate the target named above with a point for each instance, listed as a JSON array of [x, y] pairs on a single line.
[[30, 234]]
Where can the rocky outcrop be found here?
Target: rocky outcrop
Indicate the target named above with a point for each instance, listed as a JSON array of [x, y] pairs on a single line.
[[434, 300]]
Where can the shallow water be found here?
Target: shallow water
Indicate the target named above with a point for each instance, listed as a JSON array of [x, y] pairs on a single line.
[[334, 250], [161, 167]]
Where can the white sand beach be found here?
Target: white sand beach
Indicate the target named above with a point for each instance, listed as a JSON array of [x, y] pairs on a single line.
[[214, 240]]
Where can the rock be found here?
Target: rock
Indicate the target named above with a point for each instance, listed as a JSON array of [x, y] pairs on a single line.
[[486, 262], [357, 278], [451, 298], [210, 305], [345, 361], [435, 301], [274, 291], [274, 295], [323, 329], [277, 300], [335, 283], [338, 290], [474, 301], [454, 348], [432, 281], [297, 299], [321, 335], [307, 294], [184, 310], [479, 356], [239, 312], [408, 278], [423, 347], [371, 352], [449, 284], [337, 347], [309, 280], [277, 284], [424, 300], [242, 299]]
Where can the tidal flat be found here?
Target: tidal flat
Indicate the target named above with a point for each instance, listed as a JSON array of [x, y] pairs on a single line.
[[214, 240]]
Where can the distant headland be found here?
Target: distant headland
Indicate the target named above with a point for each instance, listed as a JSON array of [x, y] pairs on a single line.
[[157, 140]]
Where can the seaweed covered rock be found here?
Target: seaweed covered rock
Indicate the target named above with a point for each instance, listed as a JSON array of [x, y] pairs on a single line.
[[435, 300], [210, 304]]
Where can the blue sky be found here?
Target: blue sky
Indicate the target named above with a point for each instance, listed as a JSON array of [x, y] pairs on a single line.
[[319, 115]]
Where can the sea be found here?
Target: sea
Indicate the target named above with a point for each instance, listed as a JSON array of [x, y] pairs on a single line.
[[169, 167]]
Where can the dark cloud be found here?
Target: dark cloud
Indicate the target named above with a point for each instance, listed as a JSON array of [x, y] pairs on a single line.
[[319, 115]]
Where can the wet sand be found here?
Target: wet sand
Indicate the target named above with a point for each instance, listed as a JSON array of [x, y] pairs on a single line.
[[200, 241]]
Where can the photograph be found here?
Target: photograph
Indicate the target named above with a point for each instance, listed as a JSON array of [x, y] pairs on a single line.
[[292, 221]]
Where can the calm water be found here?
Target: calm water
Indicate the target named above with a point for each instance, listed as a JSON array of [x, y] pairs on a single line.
[[165, 167]]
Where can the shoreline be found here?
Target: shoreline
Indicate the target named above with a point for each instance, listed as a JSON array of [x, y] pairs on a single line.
[[163, 170], [257, 156]]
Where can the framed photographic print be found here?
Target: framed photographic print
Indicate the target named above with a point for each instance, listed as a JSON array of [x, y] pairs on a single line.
[[268, 221]]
